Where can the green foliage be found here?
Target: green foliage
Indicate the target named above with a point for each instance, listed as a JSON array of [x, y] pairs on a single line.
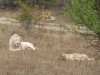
[[26, 16], [15, 3], [51, 1], [82, 11], [40, 1]]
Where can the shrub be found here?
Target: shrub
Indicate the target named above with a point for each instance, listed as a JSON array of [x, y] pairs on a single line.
[[26, 16], [82, 11], [15, 3]]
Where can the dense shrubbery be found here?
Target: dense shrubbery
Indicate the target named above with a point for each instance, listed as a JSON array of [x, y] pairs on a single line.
[[26, 16], [83, 11], [15, 3]]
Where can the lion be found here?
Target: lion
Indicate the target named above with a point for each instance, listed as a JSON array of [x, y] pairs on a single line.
[[76, 56], [16, 44]]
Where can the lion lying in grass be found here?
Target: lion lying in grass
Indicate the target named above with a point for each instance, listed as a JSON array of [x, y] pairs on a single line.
[[76, 56], [16, 44]]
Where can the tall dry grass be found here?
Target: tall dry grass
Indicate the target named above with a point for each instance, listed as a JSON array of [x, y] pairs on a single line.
[[47, 59]]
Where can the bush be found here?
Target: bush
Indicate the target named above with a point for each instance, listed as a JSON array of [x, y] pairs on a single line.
[[26, 16], [16, 3], [82, 11], [31, 3]]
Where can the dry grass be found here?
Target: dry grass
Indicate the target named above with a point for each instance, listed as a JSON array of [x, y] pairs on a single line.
[[9, 13], [47, 60]]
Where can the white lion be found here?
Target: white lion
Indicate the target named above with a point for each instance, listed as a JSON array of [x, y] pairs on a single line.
[[15, 44], [76, 56]]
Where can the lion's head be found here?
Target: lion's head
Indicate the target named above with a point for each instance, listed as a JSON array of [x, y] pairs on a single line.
[[16, 39]]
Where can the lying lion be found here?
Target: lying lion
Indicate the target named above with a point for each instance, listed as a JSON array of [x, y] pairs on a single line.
[[76, 56], [16, 44]]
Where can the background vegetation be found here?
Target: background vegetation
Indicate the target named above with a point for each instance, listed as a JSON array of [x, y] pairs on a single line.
[[85, 12], [25, 16], [32, 3]]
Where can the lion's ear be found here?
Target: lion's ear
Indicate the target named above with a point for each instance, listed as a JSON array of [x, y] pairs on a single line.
[[15, 35]]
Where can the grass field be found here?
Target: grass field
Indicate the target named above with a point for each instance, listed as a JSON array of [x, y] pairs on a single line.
[[47, 59]]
